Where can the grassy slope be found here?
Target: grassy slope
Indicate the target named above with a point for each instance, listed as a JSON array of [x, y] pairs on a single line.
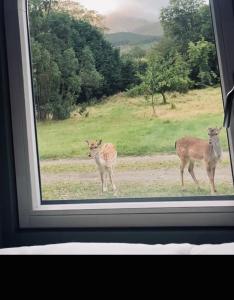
[[128, 123], [126, 41], [129, 38], [154, 29]]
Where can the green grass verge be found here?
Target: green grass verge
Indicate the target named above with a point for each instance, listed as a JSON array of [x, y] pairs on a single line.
[[71, 191], [128, 123]]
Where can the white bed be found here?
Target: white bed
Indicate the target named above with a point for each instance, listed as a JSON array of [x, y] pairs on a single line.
[[121, 249]]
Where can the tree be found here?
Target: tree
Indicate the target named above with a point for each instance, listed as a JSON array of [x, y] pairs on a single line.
[[46, 77], [79, 12], [91, 79], [182, 21], [106, 59], [42, 6], [72, 61], [150, 85], [200, 54], [136, 53], [129, 73], [207, 31], [188, 28], [70, 85], [164, 74], [164, 47], [134, 65]]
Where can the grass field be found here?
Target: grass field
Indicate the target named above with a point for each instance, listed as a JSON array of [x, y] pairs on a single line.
[[83, 191], [147, 164], [129, 124], [144, 176]]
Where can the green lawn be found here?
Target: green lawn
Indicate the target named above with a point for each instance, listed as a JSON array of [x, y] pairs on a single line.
[[69, 191], [129, 124]]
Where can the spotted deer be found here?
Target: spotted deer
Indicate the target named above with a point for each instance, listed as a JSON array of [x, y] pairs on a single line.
[[105, 156], [191, 149]]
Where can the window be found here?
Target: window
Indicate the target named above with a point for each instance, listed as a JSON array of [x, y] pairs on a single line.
[[72, 81]]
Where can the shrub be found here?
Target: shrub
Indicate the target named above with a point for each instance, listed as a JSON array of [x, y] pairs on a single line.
[[135, 91]]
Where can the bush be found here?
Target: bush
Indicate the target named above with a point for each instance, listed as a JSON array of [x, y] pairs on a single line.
[[135, 91]]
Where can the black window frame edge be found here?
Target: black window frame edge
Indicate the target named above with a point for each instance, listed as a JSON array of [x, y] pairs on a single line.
[[14, 226], [224, 10]]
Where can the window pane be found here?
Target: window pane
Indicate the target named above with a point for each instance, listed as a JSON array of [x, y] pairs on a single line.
[[127, 99]]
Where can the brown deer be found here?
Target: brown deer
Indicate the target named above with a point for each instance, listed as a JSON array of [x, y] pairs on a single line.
[[191, 149], [105, 156]]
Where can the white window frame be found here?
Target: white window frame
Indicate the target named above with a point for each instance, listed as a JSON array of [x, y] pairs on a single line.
[[193, 211]]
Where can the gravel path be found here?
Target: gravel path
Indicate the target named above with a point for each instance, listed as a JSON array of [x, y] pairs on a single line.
[[170, 175]]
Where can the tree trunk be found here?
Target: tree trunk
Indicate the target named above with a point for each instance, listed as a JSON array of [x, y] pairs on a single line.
[[164, 99], [153, 106]]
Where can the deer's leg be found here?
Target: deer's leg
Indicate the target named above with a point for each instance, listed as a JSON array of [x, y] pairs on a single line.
[[182, 167], [103, 179], [191, 171], [210, 173], [110, 171], [213, 178]]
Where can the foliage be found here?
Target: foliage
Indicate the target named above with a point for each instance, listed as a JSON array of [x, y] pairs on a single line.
[[91, 79], [165, 73], [188, 28], [47, 76], [200, 55], [79, 12], [129, 71], [137, 53], [136, 91], [182, 21], [72, 61]]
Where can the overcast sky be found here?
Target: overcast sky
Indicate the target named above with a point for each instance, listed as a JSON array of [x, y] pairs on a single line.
[[140, 8]]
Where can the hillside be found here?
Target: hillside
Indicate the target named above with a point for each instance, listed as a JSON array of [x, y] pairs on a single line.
[[118, 23], [129, 38], [153, 29]]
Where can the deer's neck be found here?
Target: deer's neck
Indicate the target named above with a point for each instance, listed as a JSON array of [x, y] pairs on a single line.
[[98, 159], [216, 147]]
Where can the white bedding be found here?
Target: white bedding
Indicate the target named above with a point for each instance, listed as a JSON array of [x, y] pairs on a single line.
[[121, 249]]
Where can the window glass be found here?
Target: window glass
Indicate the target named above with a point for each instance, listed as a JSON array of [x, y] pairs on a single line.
[[127, 99]]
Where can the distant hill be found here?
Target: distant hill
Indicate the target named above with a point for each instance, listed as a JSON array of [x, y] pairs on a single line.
[[154, 29], [117, 22], [130, 38]]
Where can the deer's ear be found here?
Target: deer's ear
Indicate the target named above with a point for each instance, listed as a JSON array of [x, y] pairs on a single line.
[[99, 142], [220, 129], [87, 142]]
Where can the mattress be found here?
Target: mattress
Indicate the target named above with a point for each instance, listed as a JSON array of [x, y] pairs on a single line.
[[121, 249]]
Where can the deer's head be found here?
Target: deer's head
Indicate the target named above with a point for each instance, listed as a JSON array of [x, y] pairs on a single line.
[[214, 132], [94, 147]]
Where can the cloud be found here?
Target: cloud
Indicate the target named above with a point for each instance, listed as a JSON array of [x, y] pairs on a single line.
[[149, 9]]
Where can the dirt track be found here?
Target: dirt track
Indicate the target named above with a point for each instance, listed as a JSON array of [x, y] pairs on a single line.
[[170, 175]]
